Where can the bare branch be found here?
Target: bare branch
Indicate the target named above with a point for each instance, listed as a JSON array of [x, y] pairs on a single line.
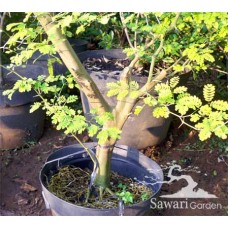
[[127, 72], [183, 122], [125, 29], [135, 37], [2, 17], [149, 85], [153, 58], [173, 25]]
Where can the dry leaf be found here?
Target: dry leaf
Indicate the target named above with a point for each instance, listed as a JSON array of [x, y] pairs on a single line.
[[22, 201], [28, 188]]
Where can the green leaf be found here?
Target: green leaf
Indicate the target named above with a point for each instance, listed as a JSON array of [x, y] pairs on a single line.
[[134, 85], [114, 89], [204, 134], [102, 136], [126, 197], [220, 105], [80, 29], [209, 92], [174, 81], [102, 119], [138, 109], [71, 99], [114, 133], [150, 101], [134, 94], [104, 20], [178, 68], [180, 89], [35, 106], [9, 93], [161, 112], [194, 118], [122, 94], [92, 130], [205, 110]]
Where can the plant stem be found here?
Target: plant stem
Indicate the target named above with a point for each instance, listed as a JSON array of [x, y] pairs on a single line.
[[125, 30], [135, 36], [127, 72], [183, 122], [104, 155], [1, 31], [149, 85], [154, 58]]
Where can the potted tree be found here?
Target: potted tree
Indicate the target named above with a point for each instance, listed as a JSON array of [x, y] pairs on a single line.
[[174, 43]]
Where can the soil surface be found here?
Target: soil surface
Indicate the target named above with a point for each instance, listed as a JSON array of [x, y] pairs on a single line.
[[206, 163]]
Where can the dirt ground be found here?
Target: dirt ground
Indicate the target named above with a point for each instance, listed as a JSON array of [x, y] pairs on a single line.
[[20, 191]]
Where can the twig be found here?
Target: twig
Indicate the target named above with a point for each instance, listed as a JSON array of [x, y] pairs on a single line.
[[183, 122], [135, 37], [125, 29], [221, 71], [177, 61], [153, 60], [172, 26], [1, 31], [126, 74]]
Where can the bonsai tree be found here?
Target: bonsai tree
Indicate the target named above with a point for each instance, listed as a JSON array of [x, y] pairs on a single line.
[[172, 43]]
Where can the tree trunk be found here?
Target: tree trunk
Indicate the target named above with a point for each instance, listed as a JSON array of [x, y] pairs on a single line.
[[104, 151], [104, 155]]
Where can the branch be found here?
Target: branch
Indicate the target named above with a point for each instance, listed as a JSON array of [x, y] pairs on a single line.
[[125, 30], [177, 61], [135, 37], [218, 70], [149, 85], [2, 15], [126, 74], [73, 63], [183, 122], [153, 58], [173, 25]]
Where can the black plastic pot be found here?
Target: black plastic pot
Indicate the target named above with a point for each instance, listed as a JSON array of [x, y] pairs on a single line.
[[139, 131], [126, 161], [17, 125], [41, 60]]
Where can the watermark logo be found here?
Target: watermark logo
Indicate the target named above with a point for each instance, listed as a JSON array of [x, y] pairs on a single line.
[[183, 198], [190, 191]]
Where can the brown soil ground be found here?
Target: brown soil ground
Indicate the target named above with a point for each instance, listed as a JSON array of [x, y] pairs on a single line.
[[20, 191]]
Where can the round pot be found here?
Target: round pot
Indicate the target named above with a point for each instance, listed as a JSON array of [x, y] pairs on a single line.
[[17, 125], [28, 71], [139, 131], [126, 161]]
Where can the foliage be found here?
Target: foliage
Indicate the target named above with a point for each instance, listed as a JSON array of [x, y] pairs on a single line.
[[171, 43], [198, 38], [125, 196], [194, 51]]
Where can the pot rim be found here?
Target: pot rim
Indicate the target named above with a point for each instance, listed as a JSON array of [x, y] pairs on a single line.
[[97, 209]]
